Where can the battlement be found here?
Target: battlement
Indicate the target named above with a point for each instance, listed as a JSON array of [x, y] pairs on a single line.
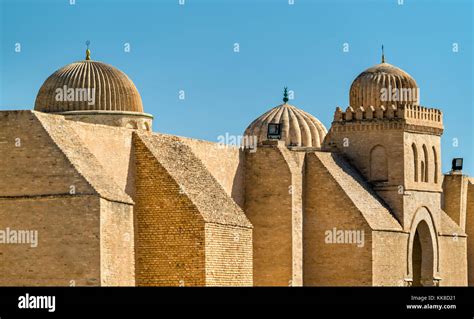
[[408, 114]]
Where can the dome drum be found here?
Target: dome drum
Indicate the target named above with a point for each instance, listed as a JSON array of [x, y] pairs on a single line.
[[132, 120]]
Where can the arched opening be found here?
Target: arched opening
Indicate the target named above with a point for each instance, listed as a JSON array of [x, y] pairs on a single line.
[[378, 164], [422, 256], [435, 156], [422, 170], [415, 161], [425, 169]]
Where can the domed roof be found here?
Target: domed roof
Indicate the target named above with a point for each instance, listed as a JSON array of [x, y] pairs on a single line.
[[106, 89], [383, 84], [298, 128]]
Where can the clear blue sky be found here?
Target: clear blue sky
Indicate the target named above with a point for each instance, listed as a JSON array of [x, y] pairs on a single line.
[[191, 48]]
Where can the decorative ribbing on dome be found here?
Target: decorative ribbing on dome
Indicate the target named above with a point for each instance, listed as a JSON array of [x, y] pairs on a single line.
[[383, 84], [112, 89], [299, 128]]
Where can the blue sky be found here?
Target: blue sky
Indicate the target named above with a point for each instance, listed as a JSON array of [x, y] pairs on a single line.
[[191, 47]]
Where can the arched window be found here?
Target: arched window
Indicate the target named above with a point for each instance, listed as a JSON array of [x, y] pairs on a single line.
[[435, 156], [378, 164], [422, 170], [425, 169], [415, 161]]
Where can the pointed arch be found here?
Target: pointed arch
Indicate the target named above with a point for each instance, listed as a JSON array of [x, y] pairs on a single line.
[[423, 249], [415, 161], [425, 169], [435, 162]]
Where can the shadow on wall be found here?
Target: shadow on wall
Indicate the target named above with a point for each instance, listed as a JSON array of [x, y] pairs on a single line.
[[238, 186]]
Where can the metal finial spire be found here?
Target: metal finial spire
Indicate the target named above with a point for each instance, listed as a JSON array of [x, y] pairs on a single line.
[[383, 55], [285, 95], [88, 52]]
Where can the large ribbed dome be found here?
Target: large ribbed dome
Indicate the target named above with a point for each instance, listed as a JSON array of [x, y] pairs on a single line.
[[383, 84], [112, 89], [298, 128]]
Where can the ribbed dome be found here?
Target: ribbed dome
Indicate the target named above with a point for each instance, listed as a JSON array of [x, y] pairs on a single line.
[[298, 127], [380, 84], [113, 89]]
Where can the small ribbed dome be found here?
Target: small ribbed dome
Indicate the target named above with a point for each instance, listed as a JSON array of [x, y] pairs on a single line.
[[113, 89], [383, 84], [298, 127]]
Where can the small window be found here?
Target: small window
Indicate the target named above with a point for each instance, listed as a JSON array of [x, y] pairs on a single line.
[[274, 131]]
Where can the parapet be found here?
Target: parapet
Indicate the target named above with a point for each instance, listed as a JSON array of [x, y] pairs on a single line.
[[413, 116]]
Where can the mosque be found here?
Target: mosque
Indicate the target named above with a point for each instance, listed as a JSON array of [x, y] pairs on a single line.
[[114, 204]]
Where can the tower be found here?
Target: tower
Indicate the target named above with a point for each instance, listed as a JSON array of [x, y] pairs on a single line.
[[392, 140], [395, 144], [274, 190]]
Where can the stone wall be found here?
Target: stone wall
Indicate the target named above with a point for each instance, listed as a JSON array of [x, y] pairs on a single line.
[[169, 231], [32, 164], [68, 250], [470, 233], [188, 230], [388, 144], [362, 144], [295, 162], [332, 264], [389, 258], [225, 163], [356, 141], [117, 260], [228, 256], [453, 261], [43, 188], [268, 206], [112, 146], [432, 145], [455, 194]]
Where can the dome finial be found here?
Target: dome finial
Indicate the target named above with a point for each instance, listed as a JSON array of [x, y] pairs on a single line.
[[383, 55], [88, 52], [285, 95]]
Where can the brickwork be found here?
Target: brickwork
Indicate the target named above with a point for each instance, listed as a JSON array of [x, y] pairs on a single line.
[[68, 250], [455, 193], [32, 164], [389, 258], [327, 264], [453, 261], [225, 163], [169, 230], [114, 151], [117, 260], [228, 252], [121, 206], [470, 232], [178, 240], [268, 207]]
